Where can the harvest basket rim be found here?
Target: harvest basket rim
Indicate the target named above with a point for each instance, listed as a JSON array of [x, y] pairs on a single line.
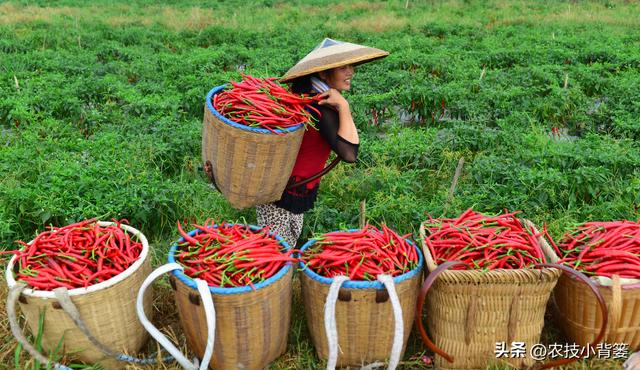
[[189, 282], [209, 104], [92, 288], [360, 284]]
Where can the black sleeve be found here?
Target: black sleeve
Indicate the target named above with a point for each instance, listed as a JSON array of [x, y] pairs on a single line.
[[328, 126]]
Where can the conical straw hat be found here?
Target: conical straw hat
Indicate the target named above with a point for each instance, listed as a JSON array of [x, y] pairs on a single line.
[[331, 54]]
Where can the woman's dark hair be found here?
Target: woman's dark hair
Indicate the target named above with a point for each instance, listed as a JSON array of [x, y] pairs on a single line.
[[302, 85]]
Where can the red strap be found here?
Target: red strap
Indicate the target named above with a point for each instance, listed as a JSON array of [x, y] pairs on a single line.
[[324, 171], [208, 169]]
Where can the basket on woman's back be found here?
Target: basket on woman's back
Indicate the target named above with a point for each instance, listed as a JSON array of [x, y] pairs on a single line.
[[251, 140]]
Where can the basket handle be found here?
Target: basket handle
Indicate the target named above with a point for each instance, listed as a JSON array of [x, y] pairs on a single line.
[[421, 297], [12, 299], [324, 171], [428, 258], [331, 329], [62, 295], [398, 333], [601, 303], [209, 310], [330, 326]]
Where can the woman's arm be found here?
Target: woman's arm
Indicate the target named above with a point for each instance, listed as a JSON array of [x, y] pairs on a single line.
[[329, 125], [347, 128]]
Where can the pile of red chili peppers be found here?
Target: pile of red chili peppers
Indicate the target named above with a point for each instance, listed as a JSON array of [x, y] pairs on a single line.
[[483, 242], [231, 255], [75, 256], [362, 255], [603, 249], [261, 102]]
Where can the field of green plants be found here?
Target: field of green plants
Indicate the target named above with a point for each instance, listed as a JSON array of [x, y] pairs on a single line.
[[101, 107]]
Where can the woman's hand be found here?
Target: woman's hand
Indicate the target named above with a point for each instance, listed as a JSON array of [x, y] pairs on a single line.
[[334, 99], [347, 128]]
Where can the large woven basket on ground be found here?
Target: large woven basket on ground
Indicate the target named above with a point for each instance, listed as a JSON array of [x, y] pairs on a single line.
[[252, 326], [580, 319], [250, 166], [364, 315], [469, 311], [107, 309]]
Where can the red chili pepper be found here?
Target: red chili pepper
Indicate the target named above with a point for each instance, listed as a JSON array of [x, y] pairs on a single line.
[[484, 242], [66, 256], [603, 248], [362, 254], [263, 103], [231, 255]]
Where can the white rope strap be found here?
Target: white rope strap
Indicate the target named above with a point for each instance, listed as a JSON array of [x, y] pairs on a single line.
[[12, 299], [62, 295], [330, 326], [332, 331], [205, 294], [398, 333], [210, 315]]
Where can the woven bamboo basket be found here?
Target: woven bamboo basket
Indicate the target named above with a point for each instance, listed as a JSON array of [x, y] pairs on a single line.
[[364, 315], [107, 309], [580, 319], [250, 166], [469, 311], [252, 326]]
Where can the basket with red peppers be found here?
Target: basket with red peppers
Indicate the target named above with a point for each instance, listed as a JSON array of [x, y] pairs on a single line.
[[251, 134], [608, 252]]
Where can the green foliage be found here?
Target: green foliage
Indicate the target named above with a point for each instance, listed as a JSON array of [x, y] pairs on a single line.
[[101, 113]]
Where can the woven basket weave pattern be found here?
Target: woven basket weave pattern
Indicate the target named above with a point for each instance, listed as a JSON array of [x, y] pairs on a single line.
[[251, 328], [250, 168], [469, 311], [468, 314], [580, 319], [110, 315], [365, 328], [577, 313]]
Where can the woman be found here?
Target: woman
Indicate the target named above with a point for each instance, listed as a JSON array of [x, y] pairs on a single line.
[[327, 70]]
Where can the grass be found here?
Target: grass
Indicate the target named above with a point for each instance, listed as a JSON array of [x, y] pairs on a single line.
[[372, 17]]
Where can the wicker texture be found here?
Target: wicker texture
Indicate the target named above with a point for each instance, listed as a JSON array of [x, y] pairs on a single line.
[[365, 328], [580, 318], [577, 313], [110, 315], [469, 311], [251, 328], [249, 167]]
